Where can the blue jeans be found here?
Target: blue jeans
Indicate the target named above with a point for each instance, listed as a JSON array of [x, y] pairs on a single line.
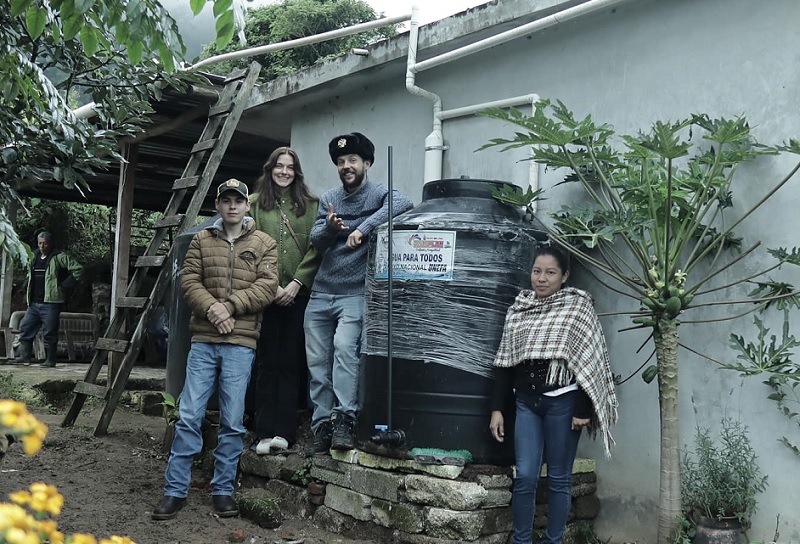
[[543, 429], [334, 328], [210, 366], [41, 314]]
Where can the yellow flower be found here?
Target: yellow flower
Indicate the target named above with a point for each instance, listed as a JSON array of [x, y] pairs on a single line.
[[16, 535], [20, 497], [17, 421], [50, 529], [46, 498], [12, 515], [10, 412], [117, 540], [81, 539]]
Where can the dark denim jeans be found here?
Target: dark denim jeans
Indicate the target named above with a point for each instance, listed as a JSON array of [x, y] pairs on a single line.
[[543, 431], [209, 367], [41, 314]]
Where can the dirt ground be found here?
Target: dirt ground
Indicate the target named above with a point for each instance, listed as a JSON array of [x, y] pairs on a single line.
[[111, 484]]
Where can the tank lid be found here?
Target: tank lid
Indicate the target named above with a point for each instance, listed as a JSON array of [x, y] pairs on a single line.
[[464, 187]]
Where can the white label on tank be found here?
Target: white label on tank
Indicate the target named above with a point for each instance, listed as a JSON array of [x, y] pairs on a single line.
[[417, 255]]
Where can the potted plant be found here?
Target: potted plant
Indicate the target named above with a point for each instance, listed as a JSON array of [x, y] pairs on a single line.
[[719, 483]]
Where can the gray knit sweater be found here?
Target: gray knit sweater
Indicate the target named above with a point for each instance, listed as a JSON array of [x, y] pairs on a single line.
[[343, 271]]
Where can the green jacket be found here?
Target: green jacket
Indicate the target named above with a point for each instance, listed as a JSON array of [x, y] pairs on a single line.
[[62, 272], [293, 262]]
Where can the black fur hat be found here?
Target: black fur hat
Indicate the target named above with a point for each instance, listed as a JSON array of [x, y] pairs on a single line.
[[354, 143]]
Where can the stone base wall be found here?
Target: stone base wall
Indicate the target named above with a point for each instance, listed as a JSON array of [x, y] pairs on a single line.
[[365, 496]]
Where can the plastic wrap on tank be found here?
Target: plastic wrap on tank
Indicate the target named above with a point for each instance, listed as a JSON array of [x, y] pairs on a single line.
[[454, 323]]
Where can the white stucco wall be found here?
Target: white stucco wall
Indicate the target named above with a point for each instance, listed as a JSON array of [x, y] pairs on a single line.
[[645, 61]]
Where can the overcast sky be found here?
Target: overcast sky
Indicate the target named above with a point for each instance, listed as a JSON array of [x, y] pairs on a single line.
[[430, 10], [198, 30]]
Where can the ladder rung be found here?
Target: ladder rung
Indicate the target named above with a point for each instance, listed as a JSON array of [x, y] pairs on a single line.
[[169, 221], [111, 344], [204, 145], [150, 261], [131, 302], [91, 389], [238, 74], [219, 110], [185, 183]]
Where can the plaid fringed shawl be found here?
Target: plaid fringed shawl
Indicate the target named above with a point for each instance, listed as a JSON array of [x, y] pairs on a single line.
[[563, 328]]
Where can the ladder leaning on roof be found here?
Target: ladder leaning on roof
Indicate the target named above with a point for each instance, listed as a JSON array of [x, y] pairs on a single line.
[[222, 120]]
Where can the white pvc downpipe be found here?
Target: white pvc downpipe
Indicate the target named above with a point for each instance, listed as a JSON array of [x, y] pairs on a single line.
[[503, 37], [533, 172], [434, 143]]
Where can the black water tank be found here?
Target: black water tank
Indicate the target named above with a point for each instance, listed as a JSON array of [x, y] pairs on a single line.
[[180, 338], [446, 328]]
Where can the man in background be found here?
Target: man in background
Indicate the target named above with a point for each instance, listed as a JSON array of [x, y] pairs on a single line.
[[51, 274]]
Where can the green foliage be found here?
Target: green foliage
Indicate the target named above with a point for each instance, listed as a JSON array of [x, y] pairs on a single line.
[[685, 531], [81, 229], [722, 480], [657, 216], [171, 407], [293, 19], [11, 389], [118, 53], [661, 194], [302, 476]]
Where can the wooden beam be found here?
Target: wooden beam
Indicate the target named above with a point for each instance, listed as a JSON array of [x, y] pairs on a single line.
[[122, 237], [177, 122], [7, 271]]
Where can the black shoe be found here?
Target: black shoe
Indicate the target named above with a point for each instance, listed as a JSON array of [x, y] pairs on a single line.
[[168, 508], [343, 433], [322, 440], [225, 506], [48, 364]]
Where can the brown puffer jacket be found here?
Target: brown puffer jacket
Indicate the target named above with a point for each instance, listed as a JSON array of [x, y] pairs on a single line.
[[242, 274]]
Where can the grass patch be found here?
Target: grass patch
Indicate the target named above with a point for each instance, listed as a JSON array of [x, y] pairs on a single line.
[[10, 389]]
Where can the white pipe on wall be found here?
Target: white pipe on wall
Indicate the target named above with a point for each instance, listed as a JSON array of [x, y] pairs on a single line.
[[308, 40], [504, 103], [533, 173], [89, 110], [503, 37], [434, 143]]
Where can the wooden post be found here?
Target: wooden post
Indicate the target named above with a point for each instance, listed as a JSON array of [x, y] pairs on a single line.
[[7, 271], [122, 242]]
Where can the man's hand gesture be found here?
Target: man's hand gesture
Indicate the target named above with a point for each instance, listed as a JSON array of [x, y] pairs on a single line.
[[334, 221]]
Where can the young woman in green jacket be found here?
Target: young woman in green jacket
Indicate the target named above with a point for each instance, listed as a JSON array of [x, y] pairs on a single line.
[[285, 209]]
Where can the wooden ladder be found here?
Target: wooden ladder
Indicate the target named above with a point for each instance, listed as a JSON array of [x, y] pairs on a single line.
[[223, 118]]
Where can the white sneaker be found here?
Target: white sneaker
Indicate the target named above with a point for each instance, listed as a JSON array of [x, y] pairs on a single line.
[[264, 445], [279, 443]]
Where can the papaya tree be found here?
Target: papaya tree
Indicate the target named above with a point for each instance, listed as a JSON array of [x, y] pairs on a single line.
[[656, 223]]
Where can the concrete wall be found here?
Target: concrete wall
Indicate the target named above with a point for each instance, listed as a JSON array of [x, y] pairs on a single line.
[[645, 61]]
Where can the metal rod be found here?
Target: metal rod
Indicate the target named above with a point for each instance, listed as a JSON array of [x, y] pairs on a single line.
[[390, 276]]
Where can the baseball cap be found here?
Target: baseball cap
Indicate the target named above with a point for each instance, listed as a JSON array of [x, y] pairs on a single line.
[[233, 185]]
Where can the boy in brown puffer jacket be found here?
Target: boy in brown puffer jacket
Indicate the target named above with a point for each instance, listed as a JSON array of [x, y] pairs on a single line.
[[228, 277]]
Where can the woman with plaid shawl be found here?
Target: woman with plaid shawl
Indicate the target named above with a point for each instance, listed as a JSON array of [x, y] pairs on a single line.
[[553, 357]]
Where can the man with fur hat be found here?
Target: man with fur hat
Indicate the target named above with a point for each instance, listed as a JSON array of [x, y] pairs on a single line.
[[228, 277], [335, 313]]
